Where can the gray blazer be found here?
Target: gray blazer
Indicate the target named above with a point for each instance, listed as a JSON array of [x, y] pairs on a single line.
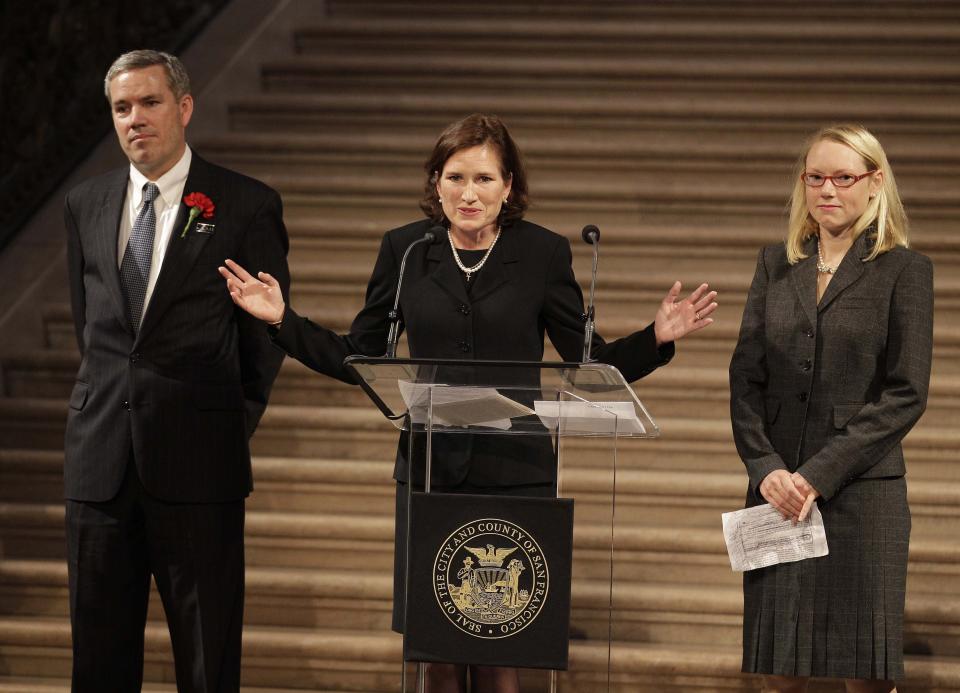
[[829, 390]]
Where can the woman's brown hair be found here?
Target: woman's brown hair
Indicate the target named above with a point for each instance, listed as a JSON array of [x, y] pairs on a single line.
[[473, 131]]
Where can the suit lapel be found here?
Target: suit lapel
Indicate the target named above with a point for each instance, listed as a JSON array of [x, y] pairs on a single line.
[[107, 226], [445, 271], [496, 272], [849, 271], [181, 253], [804, 275]]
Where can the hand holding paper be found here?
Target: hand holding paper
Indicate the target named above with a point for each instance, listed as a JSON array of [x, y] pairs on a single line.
[[761, 536]]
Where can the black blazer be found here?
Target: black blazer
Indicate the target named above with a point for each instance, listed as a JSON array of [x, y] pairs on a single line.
[[830, 389], [186, 393], [526, 289]]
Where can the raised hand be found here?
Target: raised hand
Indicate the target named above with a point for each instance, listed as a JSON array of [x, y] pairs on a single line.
[[260, 296], [675, 319]]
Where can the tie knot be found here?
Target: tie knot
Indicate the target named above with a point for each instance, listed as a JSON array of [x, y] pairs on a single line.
[[150, 192]]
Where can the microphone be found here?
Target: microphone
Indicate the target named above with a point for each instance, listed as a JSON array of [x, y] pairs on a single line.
[[432, 236], [591, 235]]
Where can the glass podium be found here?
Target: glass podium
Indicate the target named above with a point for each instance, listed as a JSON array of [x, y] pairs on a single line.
[[478, 599]]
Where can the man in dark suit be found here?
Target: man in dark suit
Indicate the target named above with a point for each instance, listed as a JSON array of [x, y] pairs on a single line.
[[172, 382]]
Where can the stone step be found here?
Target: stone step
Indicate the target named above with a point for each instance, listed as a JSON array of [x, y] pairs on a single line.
[[354, 196], [703, 31], [274, 657], [351, 660], [628, 192], [633, 150], [650, 613], [591, 75], [672, 237], [429, 112], [619, 292], [344, 250], [918, 165], [678, 391], [677, 498], [657, 554], [17, 684], [695, 11], [687, 249], [310, 431], [700, 19], [708, 348]]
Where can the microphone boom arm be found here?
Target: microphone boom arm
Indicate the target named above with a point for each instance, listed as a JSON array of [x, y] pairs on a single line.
[[393, 336], [590, 234]]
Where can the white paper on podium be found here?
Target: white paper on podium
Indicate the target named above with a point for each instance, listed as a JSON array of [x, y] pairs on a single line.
[[590, 417], [462, 406], [758, 537]]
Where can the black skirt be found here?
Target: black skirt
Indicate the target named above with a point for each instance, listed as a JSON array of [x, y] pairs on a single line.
[[840, 615]]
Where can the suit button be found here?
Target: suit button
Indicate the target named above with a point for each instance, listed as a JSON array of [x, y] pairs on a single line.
[[465, 309], [802, 396], [464, 347], [134, 357], [809, 333], [126, 405], [806, 364]]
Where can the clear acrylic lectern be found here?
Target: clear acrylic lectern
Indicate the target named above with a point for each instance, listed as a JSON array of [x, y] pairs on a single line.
[[579, 410]]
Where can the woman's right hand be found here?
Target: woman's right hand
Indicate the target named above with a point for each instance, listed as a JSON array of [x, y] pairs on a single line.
[[781, 492], [260, 296]]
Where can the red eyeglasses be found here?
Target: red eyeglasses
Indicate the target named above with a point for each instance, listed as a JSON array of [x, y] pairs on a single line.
[[841, 180]]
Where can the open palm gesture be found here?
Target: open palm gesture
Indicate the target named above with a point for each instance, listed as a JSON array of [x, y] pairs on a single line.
[[676, 319], [260, 296]]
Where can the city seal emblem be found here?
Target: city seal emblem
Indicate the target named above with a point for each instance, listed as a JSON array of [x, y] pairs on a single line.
[[490, 578]]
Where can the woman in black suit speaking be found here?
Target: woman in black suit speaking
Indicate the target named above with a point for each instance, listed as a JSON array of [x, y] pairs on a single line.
[[830, 373], [490, 289]]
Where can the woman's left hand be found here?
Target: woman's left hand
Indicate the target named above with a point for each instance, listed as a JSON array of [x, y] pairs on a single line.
[[807, 490], [676, 319]]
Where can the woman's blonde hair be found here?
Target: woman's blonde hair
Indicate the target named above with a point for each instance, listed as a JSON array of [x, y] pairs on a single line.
[[884, 212]]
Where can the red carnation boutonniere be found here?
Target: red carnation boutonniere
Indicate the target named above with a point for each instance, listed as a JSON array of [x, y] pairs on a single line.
[[198, 204]]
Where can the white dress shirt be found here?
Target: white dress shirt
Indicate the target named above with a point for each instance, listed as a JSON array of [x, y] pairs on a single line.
[[165, 207]]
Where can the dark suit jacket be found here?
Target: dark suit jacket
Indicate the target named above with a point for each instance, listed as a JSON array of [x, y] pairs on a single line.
[[184, 394], [527, 288], [830, 389]]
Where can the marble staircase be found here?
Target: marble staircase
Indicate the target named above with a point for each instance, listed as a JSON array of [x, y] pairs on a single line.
[[674, 127]]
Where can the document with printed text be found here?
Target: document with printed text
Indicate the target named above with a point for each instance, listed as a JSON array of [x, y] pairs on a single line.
[[759, 537]]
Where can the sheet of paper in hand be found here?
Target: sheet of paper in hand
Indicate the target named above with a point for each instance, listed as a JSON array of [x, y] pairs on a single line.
[[758, 537]]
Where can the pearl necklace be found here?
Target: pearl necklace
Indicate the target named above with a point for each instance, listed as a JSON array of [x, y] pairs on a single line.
[[823, 267], [476, 268]]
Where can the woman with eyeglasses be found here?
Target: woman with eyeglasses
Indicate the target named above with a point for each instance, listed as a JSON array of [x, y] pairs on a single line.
[[830, 372]]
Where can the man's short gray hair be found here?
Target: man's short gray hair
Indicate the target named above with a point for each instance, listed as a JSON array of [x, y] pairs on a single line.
[[134, 60]]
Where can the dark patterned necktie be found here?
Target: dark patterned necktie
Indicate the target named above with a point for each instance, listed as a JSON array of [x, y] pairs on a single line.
[[135, 267]]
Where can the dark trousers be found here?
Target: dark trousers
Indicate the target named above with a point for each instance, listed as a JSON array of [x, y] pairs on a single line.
[[195, 554]]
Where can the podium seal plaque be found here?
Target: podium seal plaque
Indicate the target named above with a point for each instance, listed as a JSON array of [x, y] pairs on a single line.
[[491, 578]]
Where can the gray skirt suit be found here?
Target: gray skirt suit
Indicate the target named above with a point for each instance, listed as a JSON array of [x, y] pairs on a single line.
[[829, 390]]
